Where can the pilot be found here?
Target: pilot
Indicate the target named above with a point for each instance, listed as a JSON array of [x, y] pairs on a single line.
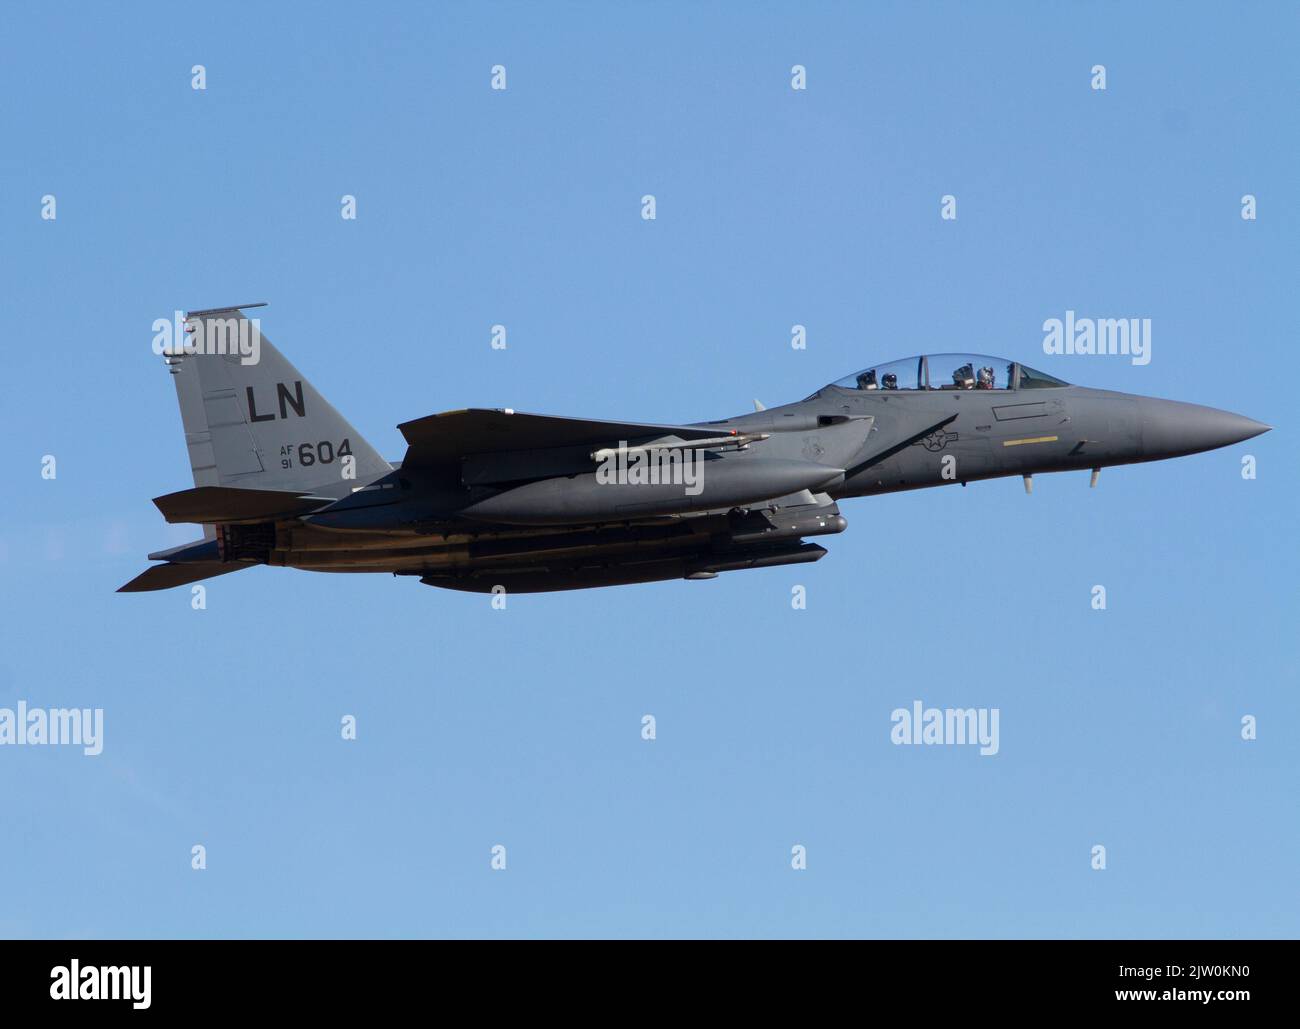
[[889, 381], [867, 380], [985, 379], [964, 377]]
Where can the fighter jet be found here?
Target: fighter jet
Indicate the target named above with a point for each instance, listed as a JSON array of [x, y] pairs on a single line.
[[499, 500]]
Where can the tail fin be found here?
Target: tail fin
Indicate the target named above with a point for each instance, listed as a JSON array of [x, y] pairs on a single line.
[[252, 420]]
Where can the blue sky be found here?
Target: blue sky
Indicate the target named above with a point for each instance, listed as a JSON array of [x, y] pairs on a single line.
[[774, 207]]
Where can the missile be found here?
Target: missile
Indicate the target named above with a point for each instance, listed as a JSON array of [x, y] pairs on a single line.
[[738, 440]]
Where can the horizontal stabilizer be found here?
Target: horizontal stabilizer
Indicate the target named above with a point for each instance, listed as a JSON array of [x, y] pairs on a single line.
[[446, 438], [162, 577], [213, 504]]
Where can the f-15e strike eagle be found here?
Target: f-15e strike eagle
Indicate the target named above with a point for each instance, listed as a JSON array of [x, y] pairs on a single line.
[[488, 499]]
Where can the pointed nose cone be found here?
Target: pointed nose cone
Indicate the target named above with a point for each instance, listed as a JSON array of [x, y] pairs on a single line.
[[1170, 429]]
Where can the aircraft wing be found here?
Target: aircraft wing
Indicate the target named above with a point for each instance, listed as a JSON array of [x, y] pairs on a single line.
[[446, 438]]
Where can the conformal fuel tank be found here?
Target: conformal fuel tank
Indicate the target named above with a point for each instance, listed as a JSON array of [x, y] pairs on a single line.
[[637, 492]]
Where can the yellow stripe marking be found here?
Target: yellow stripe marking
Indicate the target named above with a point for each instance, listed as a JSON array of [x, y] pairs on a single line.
[[1035, 439]]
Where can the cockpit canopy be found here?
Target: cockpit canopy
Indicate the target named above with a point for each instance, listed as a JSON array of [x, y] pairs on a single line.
[[949, 371]]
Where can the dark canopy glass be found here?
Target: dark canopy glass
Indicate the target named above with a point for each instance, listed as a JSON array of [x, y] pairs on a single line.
[[949, 372]]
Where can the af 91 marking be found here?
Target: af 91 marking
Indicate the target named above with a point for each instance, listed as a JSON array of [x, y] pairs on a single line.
[[308, 454]]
